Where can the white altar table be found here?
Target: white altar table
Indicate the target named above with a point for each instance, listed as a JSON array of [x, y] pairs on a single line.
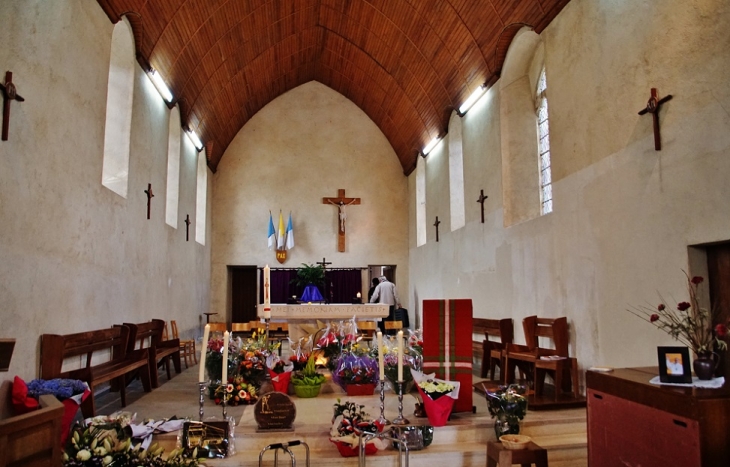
[[304, 316]]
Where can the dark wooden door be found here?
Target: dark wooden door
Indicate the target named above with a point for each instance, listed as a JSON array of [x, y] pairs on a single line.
[[243, 293], [718, 268]]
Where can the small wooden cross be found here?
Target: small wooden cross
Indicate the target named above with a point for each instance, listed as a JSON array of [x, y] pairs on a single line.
[[436, 224], [187, 228], [481, 200], [653, 108], [324, 263], [9, 95], [150, 195], [341, 201]]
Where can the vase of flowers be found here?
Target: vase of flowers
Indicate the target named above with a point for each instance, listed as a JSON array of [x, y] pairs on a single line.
[[438, 397], [356, 374], [508, 406], [690, 324]]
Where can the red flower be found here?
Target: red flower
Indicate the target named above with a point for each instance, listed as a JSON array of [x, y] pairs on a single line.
[[683, 306], [653, 318], [661, 307], [721, 330], [697, 280]]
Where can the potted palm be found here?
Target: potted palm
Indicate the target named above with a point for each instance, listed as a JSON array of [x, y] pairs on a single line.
[[310, 277]]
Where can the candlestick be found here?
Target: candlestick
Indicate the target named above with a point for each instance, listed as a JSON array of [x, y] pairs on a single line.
[[201, 401], [224, 378], [203, 351], [267, 294], [382, 420], [400, 420], [399, 341], [380, 356]]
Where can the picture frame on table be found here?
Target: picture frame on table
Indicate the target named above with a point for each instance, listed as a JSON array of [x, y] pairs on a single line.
[[674, 365]]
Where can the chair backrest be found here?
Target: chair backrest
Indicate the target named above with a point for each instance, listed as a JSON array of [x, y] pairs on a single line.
[[367, 325], [394, 325], [218, 327], [240, 327], [173, 325], [555, 329], [501, 328], [165, 334]]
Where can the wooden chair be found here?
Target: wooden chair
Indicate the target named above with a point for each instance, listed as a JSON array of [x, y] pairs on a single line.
[[367, 329], [187, 346], [218, 327], [241, 329], [493, 352], [542, 360], [392, 327]]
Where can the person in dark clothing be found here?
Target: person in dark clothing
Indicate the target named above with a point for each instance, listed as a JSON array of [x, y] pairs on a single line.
[[375, 283]]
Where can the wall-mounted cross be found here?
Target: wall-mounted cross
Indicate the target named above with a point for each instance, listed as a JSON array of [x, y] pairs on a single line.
[[341, 202], [652, 107], [9, 95], [187, 228], [436, 224], [481, 200], [150, 195]]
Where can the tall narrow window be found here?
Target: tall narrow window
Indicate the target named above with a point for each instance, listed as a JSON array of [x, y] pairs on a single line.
[[421, 203], [456, 173], [118, 123], [173, 168], [543, 146], [201, 198]]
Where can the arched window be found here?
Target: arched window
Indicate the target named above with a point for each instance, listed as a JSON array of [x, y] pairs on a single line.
[[456, 173], [118, 123], [421, 202], [201, 198], [543, 145]]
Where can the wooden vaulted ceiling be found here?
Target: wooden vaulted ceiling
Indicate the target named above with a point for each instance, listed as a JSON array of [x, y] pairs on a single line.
[[406, 63]]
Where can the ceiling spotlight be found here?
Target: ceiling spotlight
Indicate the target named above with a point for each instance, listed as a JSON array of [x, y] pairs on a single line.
[[429, 147], [472, 99], [194, 138], [160, 85]]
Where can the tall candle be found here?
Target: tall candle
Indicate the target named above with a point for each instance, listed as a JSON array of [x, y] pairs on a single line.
[[400, 355], [267, 293], [224, 379], [380, 356], [203, 351]]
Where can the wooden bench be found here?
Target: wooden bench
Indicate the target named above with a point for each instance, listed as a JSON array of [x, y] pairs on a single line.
[[56, 348], [490, 351], [149, 335], [34, 438]]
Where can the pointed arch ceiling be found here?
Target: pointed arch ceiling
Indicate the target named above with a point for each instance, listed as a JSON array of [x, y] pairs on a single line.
[[406, 63]]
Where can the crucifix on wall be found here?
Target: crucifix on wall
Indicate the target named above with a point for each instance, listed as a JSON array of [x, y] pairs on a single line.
[[9, 95], [187, 228], [149, 194], [481, 200], [436, 224], [652, 107], [341, 202]]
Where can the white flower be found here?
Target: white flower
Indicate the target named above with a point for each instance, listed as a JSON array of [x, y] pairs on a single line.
[[108, 460], [83, 455], [100, 451]]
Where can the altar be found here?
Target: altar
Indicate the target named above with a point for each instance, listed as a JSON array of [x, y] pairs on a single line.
[[303, 318]]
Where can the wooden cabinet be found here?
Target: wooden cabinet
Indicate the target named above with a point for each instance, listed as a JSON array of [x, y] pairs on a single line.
[[634, 423]]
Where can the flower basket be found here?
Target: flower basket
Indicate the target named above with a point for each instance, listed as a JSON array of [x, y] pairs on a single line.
[[346, 450], [439, 410], [438, 397], [366, 389], [280, 381], [307, 391]]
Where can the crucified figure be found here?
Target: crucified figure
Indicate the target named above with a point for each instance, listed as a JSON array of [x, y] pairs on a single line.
[[343, 215]]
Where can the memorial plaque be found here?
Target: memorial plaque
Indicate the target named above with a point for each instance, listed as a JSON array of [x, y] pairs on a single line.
[[274, 411]]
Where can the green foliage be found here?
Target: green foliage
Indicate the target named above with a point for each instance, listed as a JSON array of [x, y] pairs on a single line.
[[308, 376], [309, 274]]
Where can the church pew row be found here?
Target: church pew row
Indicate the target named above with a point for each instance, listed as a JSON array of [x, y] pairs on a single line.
[[149, 335], [87, 346]]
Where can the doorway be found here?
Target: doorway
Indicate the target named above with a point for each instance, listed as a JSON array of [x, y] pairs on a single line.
[[718, 275], [243, 282]]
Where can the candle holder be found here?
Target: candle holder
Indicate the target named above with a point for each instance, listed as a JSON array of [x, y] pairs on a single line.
[[400, 420], [224, 404], [382, 421], [267, 331], [201, 387]]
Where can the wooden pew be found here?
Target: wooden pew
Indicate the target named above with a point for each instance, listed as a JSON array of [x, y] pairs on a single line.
[[149, 335], [34, 438], [56, 348]]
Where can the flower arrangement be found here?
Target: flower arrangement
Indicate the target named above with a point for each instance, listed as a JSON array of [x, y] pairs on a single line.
[[412, 358], [238, 391], [97, 446], [688, 323], [356, 369], [435, 389], [214, 359], [330, 343], [280, 372], [508, 406], [348, 422], [308, 376]]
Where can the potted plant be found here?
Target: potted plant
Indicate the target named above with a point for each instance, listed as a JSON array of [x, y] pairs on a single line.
[[438, 397], [307, 382], [310, 277], [508, 406], [349, 422]]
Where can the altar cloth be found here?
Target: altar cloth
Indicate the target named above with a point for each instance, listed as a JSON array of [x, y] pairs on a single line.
[[307, 312]]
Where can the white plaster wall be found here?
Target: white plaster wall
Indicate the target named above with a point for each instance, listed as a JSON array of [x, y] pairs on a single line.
[[624, 213], [74, 256], [301, 147]]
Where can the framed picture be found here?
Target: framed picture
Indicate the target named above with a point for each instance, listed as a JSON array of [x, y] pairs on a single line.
[[674, 365]]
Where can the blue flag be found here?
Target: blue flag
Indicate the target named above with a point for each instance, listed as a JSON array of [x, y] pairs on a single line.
[[272, 233]]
